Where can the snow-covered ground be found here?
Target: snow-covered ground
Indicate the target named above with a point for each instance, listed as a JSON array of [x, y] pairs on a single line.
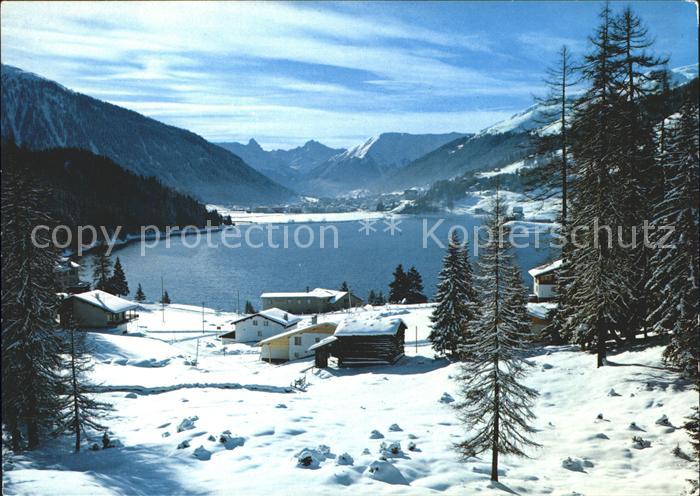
[[533, 209], [240, 217], [585, 414]]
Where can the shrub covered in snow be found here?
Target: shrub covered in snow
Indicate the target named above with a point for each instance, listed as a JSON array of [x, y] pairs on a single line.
[[184, 444], [390, 450], [345, 459], [640, 443], [395, 428], [230, 441], [446, 398]]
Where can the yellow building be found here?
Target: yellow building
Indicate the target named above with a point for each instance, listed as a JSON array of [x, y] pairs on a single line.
[[295, 343]]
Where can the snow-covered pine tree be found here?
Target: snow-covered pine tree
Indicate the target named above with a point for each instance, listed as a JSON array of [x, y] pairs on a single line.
[[372, 297], [117, 283], [140, 296], [102, 270], [456, 301], [692, 427], [518, 303], [31, 358], [676, 276], [639, 172], [496, 406], [398, 288], [79, 411], [601, 283], [414, 284], [381, 300]]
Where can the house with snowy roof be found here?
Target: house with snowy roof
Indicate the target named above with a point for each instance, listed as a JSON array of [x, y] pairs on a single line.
[[543, 303], [545, 280], [363, 340], [318, 300], [261, 325], [295, 343], [97, 309]]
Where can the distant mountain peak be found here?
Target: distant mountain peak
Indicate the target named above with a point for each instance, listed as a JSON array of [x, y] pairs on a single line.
[[254, 144]]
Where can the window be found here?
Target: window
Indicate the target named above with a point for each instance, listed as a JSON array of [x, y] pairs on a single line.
[[255, 322], [259, 333], [266, 323], [297, 340], [318, 339]]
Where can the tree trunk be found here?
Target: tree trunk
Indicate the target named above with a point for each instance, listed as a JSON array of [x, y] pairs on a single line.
[[600, 343], [494, 444], [16, 440]]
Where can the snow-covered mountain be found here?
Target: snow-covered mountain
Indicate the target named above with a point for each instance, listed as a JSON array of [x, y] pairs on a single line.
[[42, 114], [283, 165], [366, 164]]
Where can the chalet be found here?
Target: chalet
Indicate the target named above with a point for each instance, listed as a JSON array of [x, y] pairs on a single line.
[[97, 309], [318, 300], [257, 326], [545, 280], [67, 274], [540, 315], [517, 212], [377, 340], [294, 343]]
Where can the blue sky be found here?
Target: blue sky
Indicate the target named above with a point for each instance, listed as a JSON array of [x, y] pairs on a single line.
[[336, 72]]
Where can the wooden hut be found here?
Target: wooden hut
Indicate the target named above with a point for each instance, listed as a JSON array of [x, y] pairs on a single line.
[[375, 340]]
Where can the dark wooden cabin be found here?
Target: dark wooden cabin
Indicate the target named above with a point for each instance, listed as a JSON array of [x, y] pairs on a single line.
[[365, 341]]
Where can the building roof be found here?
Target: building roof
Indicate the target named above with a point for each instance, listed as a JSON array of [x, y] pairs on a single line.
[[544, 269], [326, 294], [374, 325], [274, 314], [300, 330], [322, 343], [64, 264], [105, 301], [540, 310]]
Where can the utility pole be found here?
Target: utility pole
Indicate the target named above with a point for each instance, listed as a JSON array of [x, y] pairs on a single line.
[[238, 302], [162, 293], [416, 340]]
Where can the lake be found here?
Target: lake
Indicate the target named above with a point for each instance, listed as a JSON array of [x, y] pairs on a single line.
[[257, 259]]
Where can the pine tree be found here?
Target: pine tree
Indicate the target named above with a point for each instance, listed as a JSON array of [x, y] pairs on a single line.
[[344, 286], [117, 283], [165, 299], [140, 296], [692, 427], [456, 301], [676, 275], [249, 308], [31, 358], [496, 407], [102, 270], [398, 288], [372, 297], [381, 300], [414, 287], [79, 410], [518, 302], [601, 282], [554, 145], [639, 172]]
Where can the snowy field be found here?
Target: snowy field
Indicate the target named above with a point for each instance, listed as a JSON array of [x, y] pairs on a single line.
[[240, 217], [586, 421]]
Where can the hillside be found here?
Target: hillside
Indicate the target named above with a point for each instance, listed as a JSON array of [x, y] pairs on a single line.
[[85, 189], [42, 114]]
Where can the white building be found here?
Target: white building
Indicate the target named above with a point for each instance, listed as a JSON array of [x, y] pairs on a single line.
[[545, 280], [258, 326]]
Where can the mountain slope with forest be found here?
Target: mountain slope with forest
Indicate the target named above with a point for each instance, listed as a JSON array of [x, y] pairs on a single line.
[[41, 114]]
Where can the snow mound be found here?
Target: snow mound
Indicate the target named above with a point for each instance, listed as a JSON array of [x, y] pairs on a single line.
[[311, 458], [391, 450], [575, 464], [345, 459], [640, 443], [375, 434], [446, 398], [187, 424], [384, 471], [202, 453], [131, 395], [395, 428], [230, 442], [184, 444]]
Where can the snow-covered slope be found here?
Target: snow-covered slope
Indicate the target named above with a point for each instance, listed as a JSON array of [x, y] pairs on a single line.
[[586, 421], [43, 114]]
